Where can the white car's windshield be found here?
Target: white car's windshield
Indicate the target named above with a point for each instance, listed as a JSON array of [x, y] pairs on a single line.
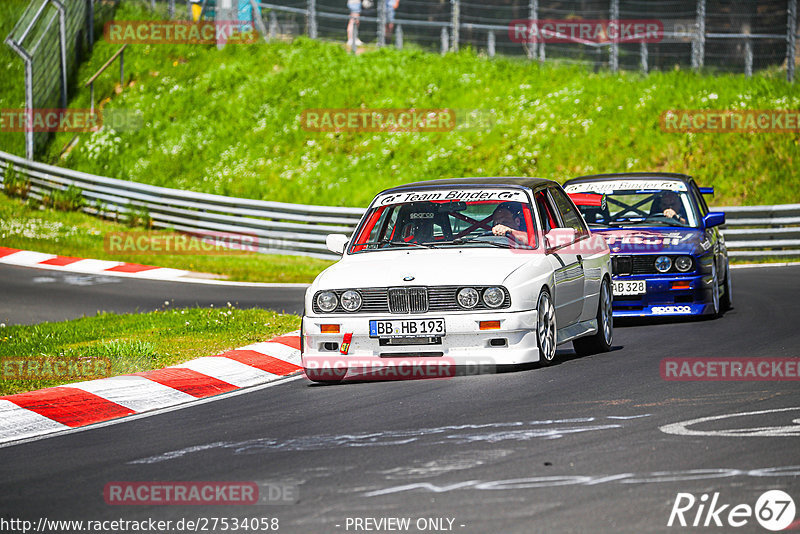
[[446, 223]]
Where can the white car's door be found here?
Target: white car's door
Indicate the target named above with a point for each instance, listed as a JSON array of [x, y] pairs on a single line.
[[566, 262]]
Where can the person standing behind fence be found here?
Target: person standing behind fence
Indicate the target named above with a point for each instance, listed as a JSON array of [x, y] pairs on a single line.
[[391, 5], [355, 13]]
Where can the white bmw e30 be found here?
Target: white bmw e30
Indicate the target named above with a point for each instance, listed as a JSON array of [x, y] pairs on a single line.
[[467, 271]]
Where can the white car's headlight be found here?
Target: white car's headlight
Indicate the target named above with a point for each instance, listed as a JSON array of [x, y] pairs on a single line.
[[351, 300], [663, 263], [467, 297], [493, 297], [683, 263], [327, 301]]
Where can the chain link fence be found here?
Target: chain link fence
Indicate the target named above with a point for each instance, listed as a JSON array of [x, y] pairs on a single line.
[[52, 37], [718, 35]]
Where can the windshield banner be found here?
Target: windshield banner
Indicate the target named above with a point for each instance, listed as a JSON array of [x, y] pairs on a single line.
[[451, 195], [625, 185]]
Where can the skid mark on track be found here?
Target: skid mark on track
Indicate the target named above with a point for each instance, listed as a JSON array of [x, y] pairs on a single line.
[[512, 431]]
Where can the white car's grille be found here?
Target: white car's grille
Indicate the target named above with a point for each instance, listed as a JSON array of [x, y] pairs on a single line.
[[408, 299], [399, 300]]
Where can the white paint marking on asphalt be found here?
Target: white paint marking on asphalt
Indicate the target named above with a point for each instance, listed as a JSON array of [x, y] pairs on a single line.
[[134, 392], [19, 423], [228, 370], [681, 429], [759, 265], [135, 417]]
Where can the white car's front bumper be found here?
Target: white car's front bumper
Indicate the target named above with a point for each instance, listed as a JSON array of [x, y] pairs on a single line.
[[464, 343]]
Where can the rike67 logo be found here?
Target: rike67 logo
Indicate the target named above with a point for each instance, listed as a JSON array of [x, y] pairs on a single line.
[[774, 510]]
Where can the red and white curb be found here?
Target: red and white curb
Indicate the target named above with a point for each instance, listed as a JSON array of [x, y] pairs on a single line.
[[46, 411], [27, 258]]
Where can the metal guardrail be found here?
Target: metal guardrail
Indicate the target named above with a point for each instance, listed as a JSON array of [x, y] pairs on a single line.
[[762, 231], [269, 227], [299, 229]]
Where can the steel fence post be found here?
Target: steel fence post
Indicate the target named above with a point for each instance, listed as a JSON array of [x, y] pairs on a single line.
[[643, 54], [456, 14], [748, 57], [614, 48], [791, 39], [699, 41], [491, 43], [381, 23], [445, 40], [398, 37], [312, 19]]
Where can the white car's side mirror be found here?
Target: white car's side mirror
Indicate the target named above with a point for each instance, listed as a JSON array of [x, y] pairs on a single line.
[[559, 237], [336, 242]]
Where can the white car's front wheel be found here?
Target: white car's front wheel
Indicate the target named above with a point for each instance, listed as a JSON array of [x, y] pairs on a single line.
[[600, 341], [546, 328]]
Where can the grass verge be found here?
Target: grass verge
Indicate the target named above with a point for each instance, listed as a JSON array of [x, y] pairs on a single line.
[[27, 226], [136, 342], [228, 122]]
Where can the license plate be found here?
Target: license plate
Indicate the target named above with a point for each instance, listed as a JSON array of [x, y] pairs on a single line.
[[630, 287], [406, 328]]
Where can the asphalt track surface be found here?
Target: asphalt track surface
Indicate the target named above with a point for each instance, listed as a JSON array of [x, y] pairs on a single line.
[[32, 295], [576, 447]]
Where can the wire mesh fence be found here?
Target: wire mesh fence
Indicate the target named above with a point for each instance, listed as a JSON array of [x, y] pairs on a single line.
[[713, 34], [52, 37]]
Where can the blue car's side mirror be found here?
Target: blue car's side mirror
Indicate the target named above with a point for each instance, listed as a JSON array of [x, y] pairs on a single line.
[[706, 190], [714, 218]]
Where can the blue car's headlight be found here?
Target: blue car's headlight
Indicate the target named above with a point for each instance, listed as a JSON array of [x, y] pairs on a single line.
[[663, 263], [683, 263]]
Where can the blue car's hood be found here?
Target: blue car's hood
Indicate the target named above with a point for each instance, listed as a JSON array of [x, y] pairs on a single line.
[[668, 240]]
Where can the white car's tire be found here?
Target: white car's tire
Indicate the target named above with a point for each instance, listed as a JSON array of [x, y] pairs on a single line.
[[602, 339], [546, 328]]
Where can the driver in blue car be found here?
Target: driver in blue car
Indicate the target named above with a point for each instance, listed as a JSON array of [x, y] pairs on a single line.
[[507, 221], [669, 205]]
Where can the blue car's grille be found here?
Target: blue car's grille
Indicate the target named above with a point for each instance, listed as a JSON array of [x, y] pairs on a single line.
[[623, 265]]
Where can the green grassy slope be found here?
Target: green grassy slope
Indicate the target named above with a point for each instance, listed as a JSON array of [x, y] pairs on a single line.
[[227, 122]]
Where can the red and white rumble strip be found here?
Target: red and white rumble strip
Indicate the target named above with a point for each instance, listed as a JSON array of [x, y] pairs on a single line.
[[27, 258], [27, 415]]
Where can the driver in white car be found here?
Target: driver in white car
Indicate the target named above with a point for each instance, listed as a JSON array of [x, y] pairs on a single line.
[[508, 222]]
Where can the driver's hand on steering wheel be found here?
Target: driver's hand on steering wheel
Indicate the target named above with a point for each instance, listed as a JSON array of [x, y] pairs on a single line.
[[671, 213], [501, 229]]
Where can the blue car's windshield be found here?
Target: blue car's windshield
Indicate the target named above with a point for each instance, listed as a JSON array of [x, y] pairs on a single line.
[[637, 203]]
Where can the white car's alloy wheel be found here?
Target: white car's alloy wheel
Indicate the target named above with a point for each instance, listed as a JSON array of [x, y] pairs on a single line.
[[606, 318], [546, 328]]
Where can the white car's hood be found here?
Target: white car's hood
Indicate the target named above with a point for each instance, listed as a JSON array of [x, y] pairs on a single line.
[[468, 266]]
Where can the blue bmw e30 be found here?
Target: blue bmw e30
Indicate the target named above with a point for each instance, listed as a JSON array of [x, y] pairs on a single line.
[[668, 254]]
